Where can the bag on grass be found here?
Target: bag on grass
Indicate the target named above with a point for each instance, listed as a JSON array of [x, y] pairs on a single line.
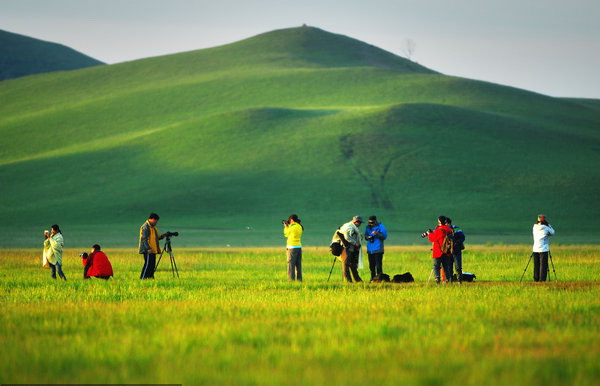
[[466, 276], [381, 278], [404, 278]]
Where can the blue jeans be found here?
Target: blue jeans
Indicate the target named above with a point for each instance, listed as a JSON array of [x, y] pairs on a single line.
[[458, 263], [57, 267], [294, 261], [376, 264]]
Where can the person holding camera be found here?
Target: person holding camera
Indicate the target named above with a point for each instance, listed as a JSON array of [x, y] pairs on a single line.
[[440, 258], [149, 245], [292, 230], [375, 234], [459, 245], [352, 249], [53, 250], [96, 264], [541, 247]]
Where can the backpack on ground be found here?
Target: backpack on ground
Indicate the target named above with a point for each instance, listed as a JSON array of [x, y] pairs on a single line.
[[466, 276], [406, 277], [381, 278]]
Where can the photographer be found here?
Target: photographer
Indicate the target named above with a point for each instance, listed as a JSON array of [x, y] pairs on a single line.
[[375, 234], [292, 230], [96, 264], [53, 249], [541, 247], [149, 245], [440, 259], [459, 245], [352, 249]]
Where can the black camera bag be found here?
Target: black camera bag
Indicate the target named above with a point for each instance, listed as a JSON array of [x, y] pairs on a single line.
[[406, 277], [381, 278], [336, 249]]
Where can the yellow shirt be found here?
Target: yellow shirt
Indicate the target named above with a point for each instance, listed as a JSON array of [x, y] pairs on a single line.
[[293, 234]]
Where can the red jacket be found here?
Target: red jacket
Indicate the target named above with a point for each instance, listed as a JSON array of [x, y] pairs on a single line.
[[100, 266], [437, 238]]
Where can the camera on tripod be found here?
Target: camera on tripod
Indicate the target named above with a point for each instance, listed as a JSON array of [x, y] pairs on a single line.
[[171, 234]]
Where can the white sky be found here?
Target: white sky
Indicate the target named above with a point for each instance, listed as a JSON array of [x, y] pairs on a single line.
[[547, 46]]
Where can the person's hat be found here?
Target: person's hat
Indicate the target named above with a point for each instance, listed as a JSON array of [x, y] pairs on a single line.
[[373, 219], [541, 217], [357, 219]]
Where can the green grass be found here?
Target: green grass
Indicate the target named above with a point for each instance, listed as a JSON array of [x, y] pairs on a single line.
[[293, 121], [232, 318]]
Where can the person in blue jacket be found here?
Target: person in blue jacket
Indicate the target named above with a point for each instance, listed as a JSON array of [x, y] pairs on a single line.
[[459, 245], [375, 234]]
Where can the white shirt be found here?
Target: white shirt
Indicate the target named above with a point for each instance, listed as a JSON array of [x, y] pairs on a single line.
[[541, 233]]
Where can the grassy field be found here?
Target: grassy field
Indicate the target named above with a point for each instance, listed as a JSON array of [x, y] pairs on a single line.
[[233, 318]]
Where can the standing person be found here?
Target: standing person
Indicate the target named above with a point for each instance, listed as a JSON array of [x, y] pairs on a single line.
[[53, 249], [459, 245], [96, 264], [541, 247], [375, 234], [149, 245], [351, 255], [440, 259], [292, 230]]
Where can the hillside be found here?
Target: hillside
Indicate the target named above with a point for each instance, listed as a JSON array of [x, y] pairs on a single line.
[[22, 55], [225, 142]]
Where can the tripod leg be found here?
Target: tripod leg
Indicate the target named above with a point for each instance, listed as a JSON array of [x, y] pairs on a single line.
[[174, 264], [551, 262], [332, 265], [527, 266], [158, 262]]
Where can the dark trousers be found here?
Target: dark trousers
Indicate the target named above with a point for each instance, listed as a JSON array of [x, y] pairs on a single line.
[[540, 266], [57, 267], [376, 264], [445, 262], [294, 261], [350, 264], [149, 266]]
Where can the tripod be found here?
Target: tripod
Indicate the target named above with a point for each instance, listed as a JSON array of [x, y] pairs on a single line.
[[332, 265], [168, 249], [551, 263]]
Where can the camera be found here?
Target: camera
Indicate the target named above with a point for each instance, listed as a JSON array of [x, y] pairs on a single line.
[[424, 234], [170, 234], [285, 222], [370, 238]]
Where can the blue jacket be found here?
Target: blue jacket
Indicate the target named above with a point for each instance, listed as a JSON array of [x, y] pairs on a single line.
[[459, 239], [376, 244]]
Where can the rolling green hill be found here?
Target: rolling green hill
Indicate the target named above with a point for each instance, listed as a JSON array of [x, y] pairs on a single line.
[[22, 55], [225, 142]]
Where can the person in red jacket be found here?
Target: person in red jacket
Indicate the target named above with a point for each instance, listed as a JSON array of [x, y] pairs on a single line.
[[96, 264], [439, 257]]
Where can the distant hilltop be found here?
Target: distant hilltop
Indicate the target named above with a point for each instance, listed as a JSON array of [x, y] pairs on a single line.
[[22, 55]]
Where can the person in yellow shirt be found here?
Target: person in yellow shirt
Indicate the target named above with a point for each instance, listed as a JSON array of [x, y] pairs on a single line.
[[292, 230]]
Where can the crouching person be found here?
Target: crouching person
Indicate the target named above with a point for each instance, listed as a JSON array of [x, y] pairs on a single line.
[[96, 264]]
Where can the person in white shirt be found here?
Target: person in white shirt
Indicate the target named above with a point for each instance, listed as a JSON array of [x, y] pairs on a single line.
[[541, 247]]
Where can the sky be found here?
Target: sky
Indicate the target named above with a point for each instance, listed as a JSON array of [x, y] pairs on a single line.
[[547, 46]]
